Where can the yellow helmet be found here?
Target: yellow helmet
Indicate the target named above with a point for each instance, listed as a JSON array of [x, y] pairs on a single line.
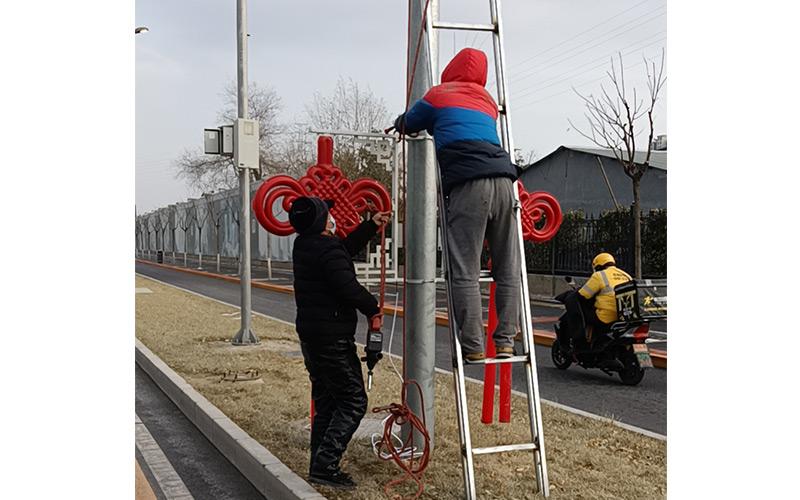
[[602, 259]]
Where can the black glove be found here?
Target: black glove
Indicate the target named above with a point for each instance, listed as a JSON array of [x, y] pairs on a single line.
[[399, 123]]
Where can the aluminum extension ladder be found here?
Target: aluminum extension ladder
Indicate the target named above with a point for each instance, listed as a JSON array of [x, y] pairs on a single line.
[[536, 445]]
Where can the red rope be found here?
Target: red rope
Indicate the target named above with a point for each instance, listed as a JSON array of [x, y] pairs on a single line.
[[383, 268], [399, 414]]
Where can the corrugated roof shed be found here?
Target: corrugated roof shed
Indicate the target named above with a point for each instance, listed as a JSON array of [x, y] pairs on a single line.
[[658, 159]]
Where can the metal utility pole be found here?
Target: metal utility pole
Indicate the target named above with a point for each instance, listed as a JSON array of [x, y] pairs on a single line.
[[420, 247], [245, 336]]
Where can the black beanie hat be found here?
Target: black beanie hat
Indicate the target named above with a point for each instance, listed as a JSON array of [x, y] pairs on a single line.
[[309, 214]]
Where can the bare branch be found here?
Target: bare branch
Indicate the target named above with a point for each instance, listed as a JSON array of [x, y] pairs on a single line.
[[350, 107]]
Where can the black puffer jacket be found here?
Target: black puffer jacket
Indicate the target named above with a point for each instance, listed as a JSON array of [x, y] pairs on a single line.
[[326, 291]]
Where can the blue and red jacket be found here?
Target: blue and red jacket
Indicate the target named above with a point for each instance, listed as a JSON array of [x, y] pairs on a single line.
[[462, 117]]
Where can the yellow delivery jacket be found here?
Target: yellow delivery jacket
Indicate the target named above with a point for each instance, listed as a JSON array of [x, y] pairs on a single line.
[[602, 285]]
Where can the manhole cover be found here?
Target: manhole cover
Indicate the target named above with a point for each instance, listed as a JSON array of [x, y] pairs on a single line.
[[242, 376]]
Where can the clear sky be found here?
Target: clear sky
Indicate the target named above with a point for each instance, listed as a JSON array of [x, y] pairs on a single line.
[[302, 46]]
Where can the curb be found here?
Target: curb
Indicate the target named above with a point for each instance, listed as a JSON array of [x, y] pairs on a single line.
[[541, 337], [164, 481], [271, 477]]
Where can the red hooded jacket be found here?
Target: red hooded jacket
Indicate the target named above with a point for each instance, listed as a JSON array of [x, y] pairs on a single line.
[[462, 117]]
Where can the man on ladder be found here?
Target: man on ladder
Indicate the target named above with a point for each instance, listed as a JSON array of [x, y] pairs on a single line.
[[477, 182]]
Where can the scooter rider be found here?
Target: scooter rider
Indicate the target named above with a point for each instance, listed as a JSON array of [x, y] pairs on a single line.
[[594, 305], [601, 287]]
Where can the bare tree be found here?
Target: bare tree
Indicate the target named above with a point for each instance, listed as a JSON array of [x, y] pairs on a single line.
[[145, 234], [350, 107], [208, 173], [163, 220], [200, 216], [296, 152], [185, 222], [150, 228], [233, 203], [216, 220], [614, 120], [137, 224], [353, 108], [173, 224]]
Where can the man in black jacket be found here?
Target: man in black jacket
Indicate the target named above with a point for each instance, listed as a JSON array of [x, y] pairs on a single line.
[[327, 295]]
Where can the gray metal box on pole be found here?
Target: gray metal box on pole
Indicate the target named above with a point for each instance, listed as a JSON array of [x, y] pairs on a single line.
[[211, 141], [227, 139], [245, 144]]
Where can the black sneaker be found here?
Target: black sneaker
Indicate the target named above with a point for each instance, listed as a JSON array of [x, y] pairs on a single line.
[[338, 479]]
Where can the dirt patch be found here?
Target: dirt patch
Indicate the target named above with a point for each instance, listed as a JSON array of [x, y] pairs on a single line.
[[586, 458]]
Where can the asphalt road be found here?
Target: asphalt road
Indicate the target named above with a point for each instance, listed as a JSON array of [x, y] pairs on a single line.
[[206, 473], [643, 406]]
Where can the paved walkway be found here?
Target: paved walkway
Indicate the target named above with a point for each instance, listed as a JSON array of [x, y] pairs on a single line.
[[201, 468]]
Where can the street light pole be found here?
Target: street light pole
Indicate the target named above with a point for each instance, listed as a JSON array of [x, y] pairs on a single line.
[[420, 246], [245, 336]]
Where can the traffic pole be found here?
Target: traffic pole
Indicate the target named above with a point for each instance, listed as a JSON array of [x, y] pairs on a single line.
[[245, 336]]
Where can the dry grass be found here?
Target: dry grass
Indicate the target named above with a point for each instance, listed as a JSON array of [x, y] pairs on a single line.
[[587, 459]]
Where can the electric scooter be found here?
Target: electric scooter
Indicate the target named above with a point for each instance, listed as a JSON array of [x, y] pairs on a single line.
[[620, 348]]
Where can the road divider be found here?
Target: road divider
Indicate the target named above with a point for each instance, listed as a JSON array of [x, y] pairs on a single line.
[[541, 337]]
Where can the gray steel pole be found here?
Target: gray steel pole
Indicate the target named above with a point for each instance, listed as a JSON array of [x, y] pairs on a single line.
[[245, 336], [420, 247]]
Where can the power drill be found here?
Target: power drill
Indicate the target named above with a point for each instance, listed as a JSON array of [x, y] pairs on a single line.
[[374, 346]]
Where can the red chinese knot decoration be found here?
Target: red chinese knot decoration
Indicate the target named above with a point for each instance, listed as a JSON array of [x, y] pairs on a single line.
[[326, 181], [535, 206]]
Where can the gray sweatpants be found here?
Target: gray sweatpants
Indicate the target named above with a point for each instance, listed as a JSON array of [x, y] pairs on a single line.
[[478, 208]]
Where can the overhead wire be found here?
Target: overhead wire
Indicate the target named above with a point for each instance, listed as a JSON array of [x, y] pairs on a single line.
[[571, 88], [579, 34], [603, 58], [531, 71], [527, 92], [594, 43]]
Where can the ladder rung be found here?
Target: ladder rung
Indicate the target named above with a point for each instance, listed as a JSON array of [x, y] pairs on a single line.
[[463, 26], [504, 448], [499, 361]]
